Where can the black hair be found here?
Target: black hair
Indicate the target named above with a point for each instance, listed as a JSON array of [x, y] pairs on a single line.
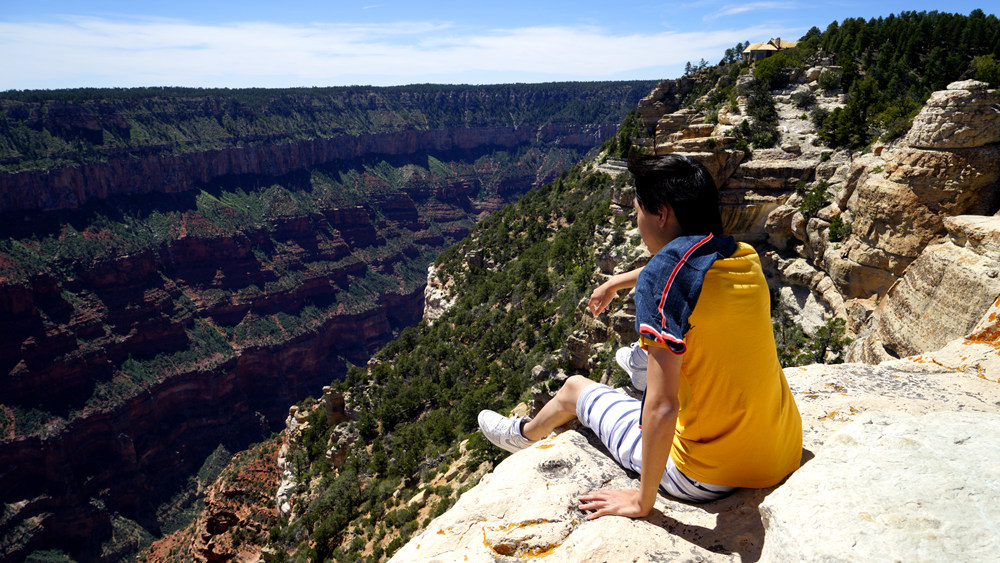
[[683, 184]]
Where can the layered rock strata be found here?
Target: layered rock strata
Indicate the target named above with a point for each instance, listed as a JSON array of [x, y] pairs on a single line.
[[156, 356], [899, 199], [944, 292], [72, 187]]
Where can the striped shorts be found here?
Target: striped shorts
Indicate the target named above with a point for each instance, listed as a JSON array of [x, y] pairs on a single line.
[[614, 417]]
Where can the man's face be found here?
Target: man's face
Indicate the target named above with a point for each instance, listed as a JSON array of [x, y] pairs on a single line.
[[649, 223]]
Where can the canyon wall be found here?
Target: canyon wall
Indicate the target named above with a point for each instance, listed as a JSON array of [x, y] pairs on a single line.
[[73, 186], [158, 300]]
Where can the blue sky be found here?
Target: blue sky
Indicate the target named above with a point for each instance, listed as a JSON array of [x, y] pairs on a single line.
[[252, 43]]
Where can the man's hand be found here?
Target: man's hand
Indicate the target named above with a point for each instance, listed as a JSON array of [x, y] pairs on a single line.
[[622, 502], [606, 292], [601, 298]]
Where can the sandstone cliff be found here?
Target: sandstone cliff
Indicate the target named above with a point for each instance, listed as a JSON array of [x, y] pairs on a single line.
[[894, 202]]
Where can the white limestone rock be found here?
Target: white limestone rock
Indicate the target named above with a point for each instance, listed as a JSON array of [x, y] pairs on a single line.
[[977, 353], [941, 297], [438, 297], [527, 508], [963, 116], [893, 488]]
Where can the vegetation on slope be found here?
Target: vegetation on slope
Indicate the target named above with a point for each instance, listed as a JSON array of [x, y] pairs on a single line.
[[517, 302], [423, 392], [891, 66]]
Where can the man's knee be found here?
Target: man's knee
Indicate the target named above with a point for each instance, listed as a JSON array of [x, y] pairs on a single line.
[[573, 386]]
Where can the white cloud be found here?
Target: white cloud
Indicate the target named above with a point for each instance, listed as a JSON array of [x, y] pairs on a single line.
[[120, 52], [735, 9]]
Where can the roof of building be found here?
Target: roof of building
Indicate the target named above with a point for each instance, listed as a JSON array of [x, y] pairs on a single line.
[[772, 45]]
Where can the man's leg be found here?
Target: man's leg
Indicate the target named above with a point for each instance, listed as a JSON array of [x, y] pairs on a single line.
[[560, 410]]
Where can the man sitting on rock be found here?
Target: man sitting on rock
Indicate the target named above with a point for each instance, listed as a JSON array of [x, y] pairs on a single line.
[[717, 413]]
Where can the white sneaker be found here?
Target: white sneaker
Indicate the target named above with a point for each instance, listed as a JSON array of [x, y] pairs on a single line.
[[503, 431], [633, 360]]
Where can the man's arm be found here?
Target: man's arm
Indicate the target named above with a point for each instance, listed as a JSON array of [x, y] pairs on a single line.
[[659, 418], [602, 296]]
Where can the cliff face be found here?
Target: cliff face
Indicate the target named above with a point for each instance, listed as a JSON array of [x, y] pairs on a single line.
[[157, 301], [73, 186], [867, 432], [895, 204], [890, 449]]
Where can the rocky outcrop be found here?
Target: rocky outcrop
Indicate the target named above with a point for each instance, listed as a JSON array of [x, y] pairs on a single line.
[[527, 507], [924, 478], [961, 117], [900, 199], [239, 512], [438, 296], [666, 98], [943, 294]]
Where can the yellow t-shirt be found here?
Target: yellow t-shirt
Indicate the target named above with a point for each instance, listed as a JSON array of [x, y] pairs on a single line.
[[738, 424]]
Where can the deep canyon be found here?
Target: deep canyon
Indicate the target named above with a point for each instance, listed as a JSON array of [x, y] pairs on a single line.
[[179, 266]]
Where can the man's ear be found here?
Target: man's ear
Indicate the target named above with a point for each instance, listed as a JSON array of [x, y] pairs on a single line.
[[665, 212]]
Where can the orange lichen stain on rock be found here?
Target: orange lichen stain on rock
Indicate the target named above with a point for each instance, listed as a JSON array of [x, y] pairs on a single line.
[[440, 532], [515, 548], [829, 415], [988, 335], [539, 552], [544, 446]]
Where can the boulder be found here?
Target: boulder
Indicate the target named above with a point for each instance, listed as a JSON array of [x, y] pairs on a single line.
[[893, 488], [942, 296], [963, 116], [779, 225]]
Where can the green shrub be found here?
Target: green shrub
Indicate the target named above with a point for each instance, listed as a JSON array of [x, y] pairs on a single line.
[[803, 99], [815, 199], [839, 228], [987, 69], [830, 80]]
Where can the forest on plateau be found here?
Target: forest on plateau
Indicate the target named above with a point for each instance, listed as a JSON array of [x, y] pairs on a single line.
[[887, 67], [45, 129]]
